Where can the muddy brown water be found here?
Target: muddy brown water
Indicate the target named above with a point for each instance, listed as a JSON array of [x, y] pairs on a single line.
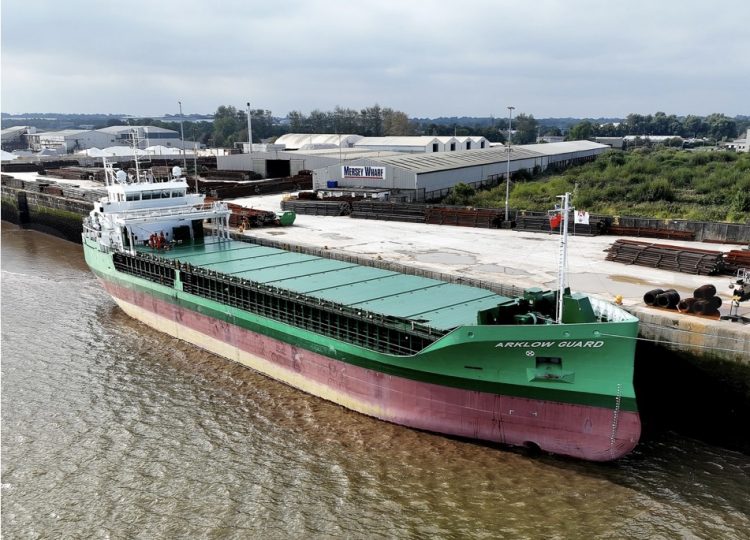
[[113, 430]]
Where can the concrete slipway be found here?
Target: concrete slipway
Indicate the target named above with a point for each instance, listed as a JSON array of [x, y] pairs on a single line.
[[526, 260]]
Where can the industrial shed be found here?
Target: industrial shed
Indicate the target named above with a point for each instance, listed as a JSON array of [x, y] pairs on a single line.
[[412, 145], [146, 135], [277, 163], [67, 140], [419, 177]]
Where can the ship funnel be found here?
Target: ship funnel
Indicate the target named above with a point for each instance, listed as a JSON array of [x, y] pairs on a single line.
[[176, 171]]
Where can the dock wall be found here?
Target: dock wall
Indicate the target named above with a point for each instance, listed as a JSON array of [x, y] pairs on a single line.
[[702, 338], [58, 215]]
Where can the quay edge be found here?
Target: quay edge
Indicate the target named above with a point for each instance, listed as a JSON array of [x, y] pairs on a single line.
[[704, 339]]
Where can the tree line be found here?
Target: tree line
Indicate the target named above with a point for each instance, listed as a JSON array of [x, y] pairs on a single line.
[[230, 125], [714, 126]]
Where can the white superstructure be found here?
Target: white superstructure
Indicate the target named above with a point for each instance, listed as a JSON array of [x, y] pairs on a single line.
[[139, 206]]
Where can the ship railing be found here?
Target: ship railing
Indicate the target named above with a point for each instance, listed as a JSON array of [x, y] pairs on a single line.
[[216, 207], [608, 312], [90, 232]]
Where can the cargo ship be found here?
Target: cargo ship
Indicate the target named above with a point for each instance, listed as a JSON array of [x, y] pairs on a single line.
[[538, 369]]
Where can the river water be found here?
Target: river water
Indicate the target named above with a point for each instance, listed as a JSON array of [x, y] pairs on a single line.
[[113, 430]]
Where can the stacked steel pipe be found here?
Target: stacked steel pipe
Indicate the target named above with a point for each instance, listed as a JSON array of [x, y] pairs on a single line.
[[487, 218], [736, 259], [650, 232], [415, 213], [676, 258], [541, 223], [317, 208]]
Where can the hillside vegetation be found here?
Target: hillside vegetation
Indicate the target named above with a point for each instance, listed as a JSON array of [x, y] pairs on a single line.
[[663, 183]]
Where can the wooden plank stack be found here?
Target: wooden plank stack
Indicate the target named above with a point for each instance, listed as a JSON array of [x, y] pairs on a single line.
[[675, 258]]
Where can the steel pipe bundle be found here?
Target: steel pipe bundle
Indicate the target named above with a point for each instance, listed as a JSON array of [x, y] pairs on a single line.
[[487, 218], [317, 208], [667, 257], [736, 259], [649, 232], [414, 213]]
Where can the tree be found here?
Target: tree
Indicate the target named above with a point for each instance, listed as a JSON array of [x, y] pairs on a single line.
[[526, 129], [227, 124], [581, 131], [395, 123], [372, 121], [694, 126], [721, 127]]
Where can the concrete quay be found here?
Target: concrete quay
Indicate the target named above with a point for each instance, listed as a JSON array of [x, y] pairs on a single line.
[[526, 259], [497, 256]]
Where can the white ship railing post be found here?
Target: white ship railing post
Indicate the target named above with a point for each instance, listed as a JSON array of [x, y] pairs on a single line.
[[563, 261]]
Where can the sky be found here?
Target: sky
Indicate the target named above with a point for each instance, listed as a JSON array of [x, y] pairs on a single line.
[[427, 58]]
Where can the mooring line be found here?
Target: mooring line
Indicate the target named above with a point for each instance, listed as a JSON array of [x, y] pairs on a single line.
[[662, 342]]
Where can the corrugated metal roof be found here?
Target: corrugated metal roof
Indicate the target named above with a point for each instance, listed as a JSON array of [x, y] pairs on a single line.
[[438, 304], [114, 130], [346, 153], [440, 161], [61, 133], [551, 149]]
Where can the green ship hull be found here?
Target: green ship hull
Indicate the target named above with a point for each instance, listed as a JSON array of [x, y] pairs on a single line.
[[422, 353]]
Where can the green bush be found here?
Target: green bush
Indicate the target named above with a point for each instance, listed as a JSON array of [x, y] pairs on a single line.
[[661, 182]]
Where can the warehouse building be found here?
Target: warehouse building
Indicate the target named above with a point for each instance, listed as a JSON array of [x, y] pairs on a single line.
[[420, 177], [273, 162], [66, 140], [73, 140], [145, 135], [16, 138]]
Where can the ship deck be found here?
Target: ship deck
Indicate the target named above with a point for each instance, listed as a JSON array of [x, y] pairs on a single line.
[[440, 305]]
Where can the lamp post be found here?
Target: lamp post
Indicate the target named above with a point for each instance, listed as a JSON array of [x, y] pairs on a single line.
[[249, 131], [182, 138], [507, 179]]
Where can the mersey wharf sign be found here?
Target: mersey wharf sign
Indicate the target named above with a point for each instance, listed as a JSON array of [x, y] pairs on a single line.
[[364, 172]]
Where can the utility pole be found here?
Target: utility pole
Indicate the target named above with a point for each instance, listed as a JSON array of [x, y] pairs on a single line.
[[507, 179], [249, 131], [182, 138]]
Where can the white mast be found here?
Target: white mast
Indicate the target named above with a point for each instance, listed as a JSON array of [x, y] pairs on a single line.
[[563, 261], [136, 144]]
